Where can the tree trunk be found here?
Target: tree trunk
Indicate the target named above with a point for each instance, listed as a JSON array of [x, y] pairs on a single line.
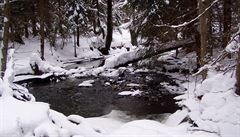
[[105, 50], [42, 20], [74, 44], [34, 26], [226, 21], [238, 75], [26, 28], [198, 49], [97, 22], [5, 37], [210, 24], [78, 36], [203, 34], [134, 36], [133, 30], [33, 20]]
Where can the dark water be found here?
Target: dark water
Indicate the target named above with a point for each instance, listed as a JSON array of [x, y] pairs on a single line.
[[67, 97]]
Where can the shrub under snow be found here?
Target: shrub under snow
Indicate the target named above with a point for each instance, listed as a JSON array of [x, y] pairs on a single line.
[[218, 110]]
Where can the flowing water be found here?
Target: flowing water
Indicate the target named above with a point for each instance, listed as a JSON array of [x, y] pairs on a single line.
[[100, 99], [67, 97]]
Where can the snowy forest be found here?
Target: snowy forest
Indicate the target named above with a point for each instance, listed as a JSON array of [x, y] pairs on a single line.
[[119, 68]]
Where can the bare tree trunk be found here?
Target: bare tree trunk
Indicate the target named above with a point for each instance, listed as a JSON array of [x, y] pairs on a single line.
[[74, 44], [78, 36], [5, 37], [210, 38], [203, 34], [34, 26], [97, 22], [42, 20], [226, 21], [238, 75], [26, 27], [33, 20], [134, 31], [134, 36], [109, 28]]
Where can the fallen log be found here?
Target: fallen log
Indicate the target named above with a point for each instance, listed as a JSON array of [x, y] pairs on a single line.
[[82, 60], [154, 50], [44, 78]]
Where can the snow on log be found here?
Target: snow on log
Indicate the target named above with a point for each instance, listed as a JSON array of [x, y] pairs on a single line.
[[145, 52]]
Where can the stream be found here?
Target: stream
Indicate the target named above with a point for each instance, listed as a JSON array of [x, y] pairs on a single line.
[[101, 98]]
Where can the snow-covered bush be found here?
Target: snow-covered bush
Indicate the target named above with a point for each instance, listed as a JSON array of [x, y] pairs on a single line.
[[218, 109], [8, 88], [38, 64]]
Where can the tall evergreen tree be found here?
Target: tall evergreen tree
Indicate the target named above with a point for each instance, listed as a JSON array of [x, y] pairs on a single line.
[[203, 34], [41, 10], [238, 74], [108, 42], [227, 14], [5, 32]]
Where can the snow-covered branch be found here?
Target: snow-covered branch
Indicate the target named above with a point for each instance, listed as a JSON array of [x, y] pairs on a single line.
[[191, 21], [234, 44], [120, 4]]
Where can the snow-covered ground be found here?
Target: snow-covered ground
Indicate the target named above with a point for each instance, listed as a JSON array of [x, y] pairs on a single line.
[[58, 59], [36, 119]]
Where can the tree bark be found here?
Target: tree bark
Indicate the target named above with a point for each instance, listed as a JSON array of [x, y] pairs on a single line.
[[26, 28], [34, 26], [203, 34], [5, 37], [33, 20], [42, 26], [210, 24], [97, 22], [78, 36], [226, 21], [197, 47], [134, 36], [238, 75], [108, 42], [74, 44]]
